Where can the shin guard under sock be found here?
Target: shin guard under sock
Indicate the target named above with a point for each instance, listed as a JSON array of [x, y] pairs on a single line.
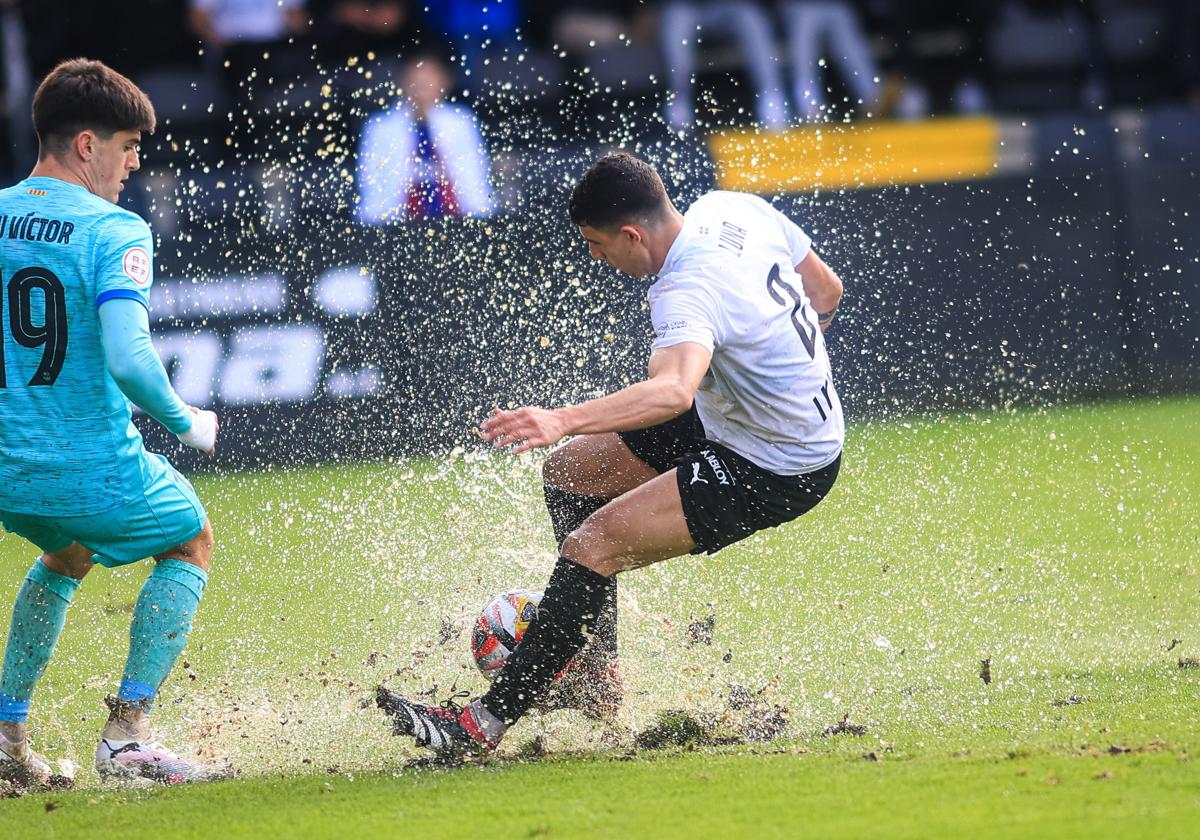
[[566, 615], [567, 512], [162, 620], [39, 614]]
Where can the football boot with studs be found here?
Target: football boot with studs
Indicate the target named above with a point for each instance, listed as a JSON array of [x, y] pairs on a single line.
[[449, 730]]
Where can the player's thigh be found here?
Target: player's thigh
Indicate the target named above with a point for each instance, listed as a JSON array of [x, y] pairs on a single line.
[[39, 530], [643, 526], [167, 516], [60, 553], [596, 465], [726, 497]]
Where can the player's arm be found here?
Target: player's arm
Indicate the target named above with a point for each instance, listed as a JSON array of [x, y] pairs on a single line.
[[822, 287], [381, 174], [139, 373], [675, 374]]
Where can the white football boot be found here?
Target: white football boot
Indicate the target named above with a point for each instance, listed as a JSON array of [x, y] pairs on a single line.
[[24, 768], [129, 753]]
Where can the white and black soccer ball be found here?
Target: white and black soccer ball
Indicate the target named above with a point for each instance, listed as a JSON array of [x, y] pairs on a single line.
[[500, 627]]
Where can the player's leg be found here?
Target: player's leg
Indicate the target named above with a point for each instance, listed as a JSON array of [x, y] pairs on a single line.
[[168, 523], [643, 526], [162, 617], [714, 498], [593, 465], [162, 622], [599, 467], [585, 474], [578, 479], [38, 616], [39, 613]]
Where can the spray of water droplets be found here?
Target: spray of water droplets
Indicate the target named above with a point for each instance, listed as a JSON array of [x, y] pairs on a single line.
[[329, 580]]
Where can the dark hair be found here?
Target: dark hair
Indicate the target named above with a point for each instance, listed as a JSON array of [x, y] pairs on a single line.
[[617, 189], [83, 94]]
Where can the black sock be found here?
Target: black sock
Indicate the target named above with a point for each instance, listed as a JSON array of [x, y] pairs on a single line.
[[566, 615], [567, 512], [605, 637]]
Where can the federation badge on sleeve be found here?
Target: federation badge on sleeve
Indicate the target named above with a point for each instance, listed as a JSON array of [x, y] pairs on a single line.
[[136, 265]]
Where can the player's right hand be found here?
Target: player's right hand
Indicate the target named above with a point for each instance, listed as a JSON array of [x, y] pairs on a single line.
[[203, 434], [524, 429]]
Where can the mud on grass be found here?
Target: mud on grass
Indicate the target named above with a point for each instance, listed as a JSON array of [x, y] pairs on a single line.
[[748, 717]]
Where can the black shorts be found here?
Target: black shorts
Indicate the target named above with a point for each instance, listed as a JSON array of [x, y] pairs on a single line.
[[725, 497]]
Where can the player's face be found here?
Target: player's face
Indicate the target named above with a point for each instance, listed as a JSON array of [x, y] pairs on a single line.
[[113, 160], [623, 249], [426, 83]]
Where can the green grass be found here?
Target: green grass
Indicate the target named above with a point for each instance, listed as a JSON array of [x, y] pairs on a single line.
[[1062, 545]]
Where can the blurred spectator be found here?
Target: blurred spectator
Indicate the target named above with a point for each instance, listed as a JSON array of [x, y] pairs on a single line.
[[225, 22], [585, 24], [938, 56], [20, 146], [827, 30], [686, 22], [1047, 55], [425, 158], [1084, 16], [238, 32], [346, 28], [477, 29]]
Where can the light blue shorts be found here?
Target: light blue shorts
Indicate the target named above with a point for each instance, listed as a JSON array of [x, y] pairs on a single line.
[[167, 515]]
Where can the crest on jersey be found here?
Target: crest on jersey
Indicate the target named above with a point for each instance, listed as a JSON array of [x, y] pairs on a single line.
[[136, 265]]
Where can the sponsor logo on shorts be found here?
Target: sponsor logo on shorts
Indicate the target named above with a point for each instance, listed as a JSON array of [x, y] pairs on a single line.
[[717, 467], [696, 474]]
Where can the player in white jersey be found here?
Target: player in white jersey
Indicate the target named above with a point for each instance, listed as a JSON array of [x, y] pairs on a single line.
[[737, 428]]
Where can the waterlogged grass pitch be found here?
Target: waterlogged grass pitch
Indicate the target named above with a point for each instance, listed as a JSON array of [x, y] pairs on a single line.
[[1005, 604]]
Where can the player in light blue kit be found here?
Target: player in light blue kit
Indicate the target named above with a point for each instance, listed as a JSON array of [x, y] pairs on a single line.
[[75, 478]]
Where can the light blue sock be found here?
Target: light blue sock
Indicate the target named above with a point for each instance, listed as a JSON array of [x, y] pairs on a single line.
[[37, 621], [161, 623]]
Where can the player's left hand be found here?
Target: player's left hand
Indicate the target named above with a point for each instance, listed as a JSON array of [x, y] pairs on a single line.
[[203, 434], [524, 429]]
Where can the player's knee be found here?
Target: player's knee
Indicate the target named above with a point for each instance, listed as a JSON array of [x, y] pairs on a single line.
[[197, 550], [203, 548], [556, 469], [205, 538], [74, 561], [590, 546]]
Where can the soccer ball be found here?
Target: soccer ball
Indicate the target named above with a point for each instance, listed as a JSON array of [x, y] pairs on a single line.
[[500, 628]]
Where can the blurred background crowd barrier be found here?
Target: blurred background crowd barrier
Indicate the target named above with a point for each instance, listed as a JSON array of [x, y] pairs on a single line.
[[360, 206]]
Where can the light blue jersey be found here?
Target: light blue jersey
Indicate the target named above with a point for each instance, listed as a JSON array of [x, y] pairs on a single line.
[[67, 443]]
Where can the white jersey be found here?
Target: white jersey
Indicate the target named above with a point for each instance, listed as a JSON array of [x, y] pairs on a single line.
[[728, 283]]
